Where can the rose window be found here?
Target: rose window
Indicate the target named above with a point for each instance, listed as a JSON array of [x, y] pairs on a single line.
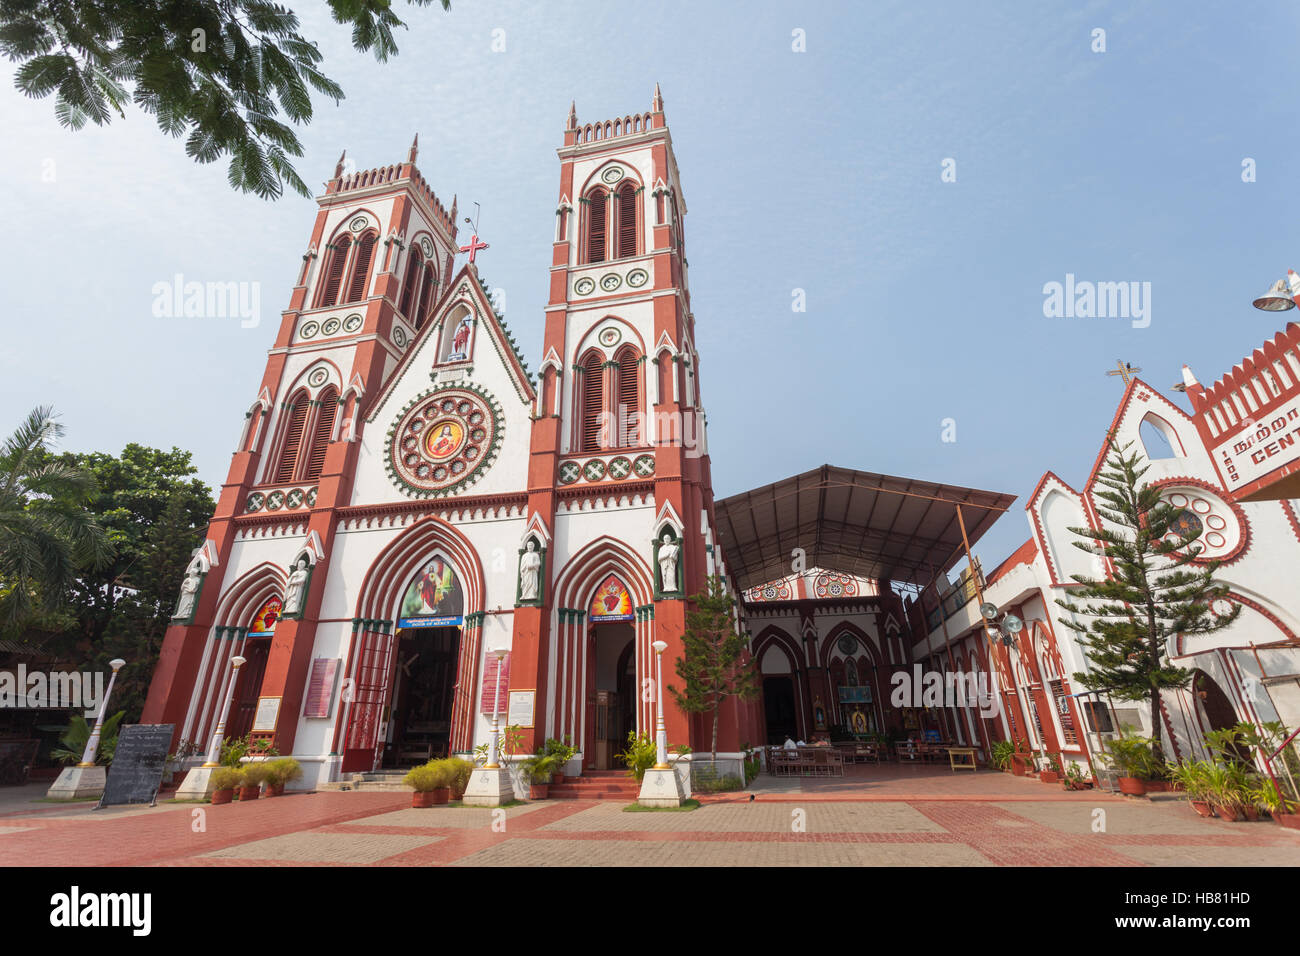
[[443, 439]]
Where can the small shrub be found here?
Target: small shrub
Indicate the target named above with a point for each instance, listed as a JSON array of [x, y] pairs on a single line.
[[640, 754], [227, 778], [430, 776]]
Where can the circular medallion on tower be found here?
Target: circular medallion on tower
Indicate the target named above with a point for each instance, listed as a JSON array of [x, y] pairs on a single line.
[[426, 246], [612, 175], [352, 323], [609, 337], [331, 326], [399, 336], [308, 330], [359, 223], [318, 377], [585, 286], [444, 440], [611, 281], [637, 278]]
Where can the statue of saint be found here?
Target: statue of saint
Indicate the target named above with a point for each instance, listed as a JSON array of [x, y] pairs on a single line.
[[189, 591], [530, 567], [295, 592], [668, 551], [460, 341]]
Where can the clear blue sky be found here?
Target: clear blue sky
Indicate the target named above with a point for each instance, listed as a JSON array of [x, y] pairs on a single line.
[[817, 170]]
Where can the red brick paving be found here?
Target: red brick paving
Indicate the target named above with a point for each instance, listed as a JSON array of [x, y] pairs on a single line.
[[163, 837]]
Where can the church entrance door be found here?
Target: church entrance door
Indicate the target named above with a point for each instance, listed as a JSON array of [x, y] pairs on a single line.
[[611, 701], [421, 696]]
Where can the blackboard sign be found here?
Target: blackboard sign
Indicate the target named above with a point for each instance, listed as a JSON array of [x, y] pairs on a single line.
[[136, 771]]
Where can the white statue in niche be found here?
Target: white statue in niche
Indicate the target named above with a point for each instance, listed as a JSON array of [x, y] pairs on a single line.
[[530, 568], [295, 592], [189, 591], [668, 550]]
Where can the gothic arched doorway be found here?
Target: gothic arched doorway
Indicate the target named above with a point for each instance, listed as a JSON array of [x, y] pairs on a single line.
[[611, 673], [256, 651], [1218, 712]]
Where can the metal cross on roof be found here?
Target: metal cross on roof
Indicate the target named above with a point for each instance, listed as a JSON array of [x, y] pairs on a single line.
[[1123, 370], [474, 244]]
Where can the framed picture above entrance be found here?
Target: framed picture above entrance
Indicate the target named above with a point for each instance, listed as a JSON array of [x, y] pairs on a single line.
[[434, 598]]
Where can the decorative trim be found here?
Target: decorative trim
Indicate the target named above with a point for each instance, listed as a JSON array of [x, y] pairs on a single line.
[[486, 455]]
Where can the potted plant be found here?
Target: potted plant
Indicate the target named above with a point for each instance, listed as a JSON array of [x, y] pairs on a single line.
[[1190, 776], [462, 769], [1132, 758], [431, 783], [1224, 792], [538, 770], [255, 774], [225, 780], [1051, 773], [1280, 807], [1074, 778], [280, 772], [562, 754], [1000, 755]]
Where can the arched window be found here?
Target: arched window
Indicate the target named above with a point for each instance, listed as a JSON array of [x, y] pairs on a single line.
[[409, 282], [320, 438], [597, 221], [629, 397], [592, 398], [361, 267], [627, 220], [296, 413], [332, 277], [426, 294]]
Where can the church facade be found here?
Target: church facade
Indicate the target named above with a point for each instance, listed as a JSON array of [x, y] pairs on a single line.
[[407, 499]]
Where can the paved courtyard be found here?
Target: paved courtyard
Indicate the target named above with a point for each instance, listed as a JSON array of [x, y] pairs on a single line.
[[896, 818]]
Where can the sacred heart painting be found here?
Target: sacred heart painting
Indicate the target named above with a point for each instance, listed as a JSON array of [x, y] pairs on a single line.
[[611, 603]]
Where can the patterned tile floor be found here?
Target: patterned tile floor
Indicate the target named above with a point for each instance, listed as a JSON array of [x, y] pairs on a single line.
[[980, 820]]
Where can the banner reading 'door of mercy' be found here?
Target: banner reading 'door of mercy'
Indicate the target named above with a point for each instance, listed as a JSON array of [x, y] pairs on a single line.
[[435, 597]]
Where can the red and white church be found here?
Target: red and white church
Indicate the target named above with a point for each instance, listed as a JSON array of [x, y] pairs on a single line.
[[406, 498]]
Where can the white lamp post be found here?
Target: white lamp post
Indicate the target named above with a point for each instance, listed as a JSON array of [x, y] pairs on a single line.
[[219, 735], [661, 733], [494, 748], [92, 745]]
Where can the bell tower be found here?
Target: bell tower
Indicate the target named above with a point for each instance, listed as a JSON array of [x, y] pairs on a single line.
[[619, 426]]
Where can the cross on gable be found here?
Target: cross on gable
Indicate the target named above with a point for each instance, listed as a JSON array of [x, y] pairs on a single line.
[[473, 247], [1124, 370]]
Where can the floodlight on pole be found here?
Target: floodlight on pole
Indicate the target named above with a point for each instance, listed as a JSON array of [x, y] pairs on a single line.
[[1276, 299], [661, 732], [92, 745], [494, 751]]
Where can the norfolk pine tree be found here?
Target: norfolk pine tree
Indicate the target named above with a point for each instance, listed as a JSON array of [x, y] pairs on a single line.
[[714, 667], [1153, 593]]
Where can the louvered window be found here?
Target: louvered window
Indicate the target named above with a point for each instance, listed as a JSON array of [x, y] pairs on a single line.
[[413, 270], [297, 412], [426, 294], [626, 221], [361, 268], [629, 399], [596, 222], [1063, 710], [320, 439], [593, 405], [334, 273]]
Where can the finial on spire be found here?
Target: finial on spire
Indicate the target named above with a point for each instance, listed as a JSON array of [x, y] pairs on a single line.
[[453, 210], [573, 115], [657, 104], [338, 167], [415, 149]]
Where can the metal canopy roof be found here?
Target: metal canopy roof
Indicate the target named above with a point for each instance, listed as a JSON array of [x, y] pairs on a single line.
[[875, 526]]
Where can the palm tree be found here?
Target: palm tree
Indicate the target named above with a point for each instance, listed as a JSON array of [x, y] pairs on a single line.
[[46, 534]]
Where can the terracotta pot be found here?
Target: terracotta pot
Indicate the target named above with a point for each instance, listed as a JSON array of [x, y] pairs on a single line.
[[422, 799], [539, 791], [557, 779], [1288, 820], [222, 796], [1251, 812], [1232, 814], [1158, 786], [249, 793], [1132, 786], [1202, 807], [1049, 776], [273, 790], [441, 796]]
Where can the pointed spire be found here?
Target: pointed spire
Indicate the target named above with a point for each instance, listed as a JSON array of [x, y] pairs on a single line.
[[338, 167], [657, 104], [415, 149], [454, 199], [1188, 378], [573, 115]]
